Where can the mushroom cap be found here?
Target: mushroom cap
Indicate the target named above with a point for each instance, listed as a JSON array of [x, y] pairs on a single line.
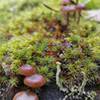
[[69, 8], [66, 1], [80, 6], [24, 95], [27, 70], [35, 81]]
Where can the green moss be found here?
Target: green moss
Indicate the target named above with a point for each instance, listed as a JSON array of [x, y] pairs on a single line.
[[32, 49], [77, 50]]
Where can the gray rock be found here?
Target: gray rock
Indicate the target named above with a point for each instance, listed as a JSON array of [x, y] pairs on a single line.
[[51, 92], [93, 15]]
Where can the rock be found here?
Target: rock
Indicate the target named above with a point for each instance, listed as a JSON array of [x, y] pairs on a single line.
[[93, 15], [51, 92]]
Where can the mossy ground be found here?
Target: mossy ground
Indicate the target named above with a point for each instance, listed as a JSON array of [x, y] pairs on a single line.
[[32, 34]]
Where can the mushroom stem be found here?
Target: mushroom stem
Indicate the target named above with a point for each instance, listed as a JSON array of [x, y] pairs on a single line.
[[79, 16], [68, 14], [74, 15], [68, 10]]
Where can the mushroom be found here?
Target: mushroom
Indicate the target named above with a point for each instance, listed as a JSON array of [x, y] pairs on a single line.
[[24, 95], [67, 10], [35, 81], [65, 2], [79, 8], [27, 70]]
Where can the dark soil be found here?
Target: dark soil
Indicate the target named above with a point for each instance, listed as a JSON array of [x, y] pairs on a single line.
[[51, 92], [48, 92]]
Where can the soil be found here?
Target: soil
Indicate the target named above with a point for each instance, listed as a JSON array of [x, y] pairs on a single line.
[[51, 92], [48, 92]]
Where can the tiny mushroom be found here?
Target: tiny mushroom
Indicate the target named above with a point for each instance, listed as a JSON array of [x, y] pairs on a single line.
[[35, 81], [27, 70], [65, 2], [79, 9], [67, 10], [25, 95]]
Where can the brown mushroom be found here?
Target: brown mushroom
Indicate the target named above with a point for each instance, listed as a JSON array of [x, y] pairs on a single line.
[[24, 95], [27, 70], [35, 81]]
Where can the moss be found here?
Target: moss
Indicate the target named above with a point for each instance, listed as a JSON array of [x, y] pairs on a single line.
[[31, 49], [33, 42]]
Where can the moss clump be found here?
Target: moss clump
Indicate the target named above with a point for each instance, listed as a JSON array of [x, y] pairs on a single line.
[[73, 52], [27, 50], [38, 38]]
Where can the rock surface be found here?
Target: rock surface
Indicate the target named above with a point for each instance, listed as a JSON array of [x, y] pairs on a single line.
[[51, 92], [93, 15]]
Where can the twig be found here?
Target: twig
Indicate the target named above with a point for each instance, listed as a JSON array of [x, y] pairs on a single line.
[[50, 8]]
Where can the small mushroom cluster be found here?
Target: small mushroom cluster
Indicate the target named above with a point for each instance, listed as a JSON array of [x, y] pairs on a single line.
[[32, 80], [71, 6]]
